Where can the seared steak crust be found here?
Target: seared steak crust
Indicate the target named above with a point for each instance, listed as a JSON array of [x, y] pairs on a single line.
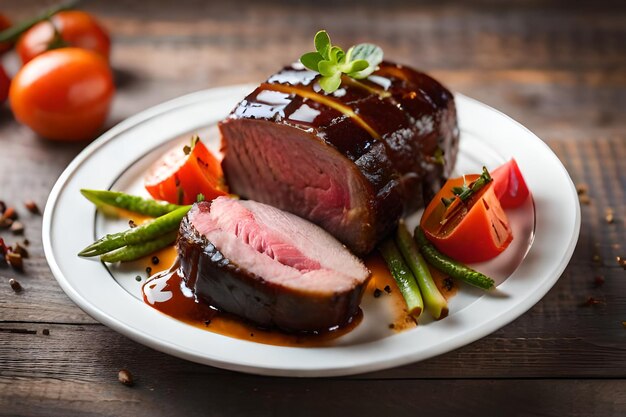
[[371, 151]]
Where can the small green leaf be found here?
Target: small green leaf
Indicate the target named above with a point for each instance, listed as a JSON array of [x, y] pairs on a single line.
[[354, 66], [370, 53], [328, 68], [332, 83], [331, 61], [447, 201], [322, 43], [336, 54], [311, 60], [460, 190]]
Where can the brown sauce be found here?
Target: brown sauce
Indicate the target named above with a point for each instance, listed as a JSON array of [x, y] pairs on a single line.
[[382, 285], [179, 302], [166, 291]]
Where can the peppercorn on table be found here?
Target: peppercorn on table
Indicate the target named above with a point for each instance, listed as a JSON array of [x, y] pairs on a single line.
[[558, 68]]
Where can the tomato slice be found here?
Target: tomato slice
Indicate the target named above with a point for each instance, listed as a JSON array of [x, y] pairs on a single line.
[[183, 173], [472, 231], [509, 185]]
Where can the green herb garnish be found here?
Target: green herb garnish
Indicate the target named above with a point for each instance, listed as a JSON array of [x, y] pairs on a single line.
[[464, 192], [331, 61], [187, 149]]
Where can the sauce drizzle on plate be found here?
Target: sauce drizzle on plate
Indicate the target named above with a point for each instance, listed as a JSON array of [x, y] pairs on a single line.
[[166, 292]]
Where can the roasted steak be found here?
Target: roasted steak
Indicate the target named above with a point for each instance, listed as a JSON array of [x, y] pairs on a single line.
[[353, 161], [269, 266]]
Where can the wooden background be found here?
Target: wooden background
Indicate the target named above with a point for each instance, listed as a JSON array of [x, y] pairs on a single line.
[[557, 67]]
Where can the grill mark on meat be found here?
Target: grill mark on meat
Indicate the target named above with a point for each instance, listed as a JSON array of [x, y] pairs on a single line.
[[323, 100], [395, 166]]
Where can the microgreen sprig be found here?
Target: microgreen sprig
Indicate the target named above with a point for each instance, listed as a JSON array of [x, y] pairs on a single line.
[[331, 61], [464, 192]]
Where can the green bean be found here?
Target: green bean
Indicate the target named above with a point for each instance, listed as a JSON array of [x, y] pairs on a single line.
[[136, 204], [139, 250], [141, 234], [448, 265], [435, 303], [403, 277]]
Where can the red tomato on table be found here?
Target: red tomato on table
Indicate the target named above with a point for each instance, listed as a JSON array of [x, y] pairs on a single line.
[[76, 29], [64, 94], [183, 173], [509, 185], [475, 230]]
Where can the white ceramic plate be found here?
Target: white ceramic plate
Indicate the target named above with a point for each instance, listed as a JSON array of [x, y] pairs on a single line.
[[117, 160]]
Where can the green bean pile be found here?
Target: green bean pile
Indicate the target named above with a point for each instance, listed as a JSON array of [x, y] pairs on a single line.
[[139, 241]]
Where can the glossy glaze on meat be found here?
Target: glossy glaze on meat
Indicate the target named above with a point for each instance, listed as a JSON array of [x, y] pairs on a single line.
[[353, 161]]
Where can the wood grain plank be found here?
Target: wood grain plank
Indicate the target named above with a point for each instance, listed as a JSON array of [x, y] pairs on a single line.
[[441, 36], [557, 338], [558, 67], [190, 394]]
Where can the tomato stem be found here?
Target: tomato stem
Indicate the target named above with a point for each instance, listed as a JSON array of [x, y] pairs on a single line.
[[57, 40], [13, 33]]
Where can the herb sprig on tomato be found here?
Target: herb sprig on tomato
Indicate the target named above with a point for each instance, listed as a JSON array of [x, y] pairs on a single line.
[[465, 220]]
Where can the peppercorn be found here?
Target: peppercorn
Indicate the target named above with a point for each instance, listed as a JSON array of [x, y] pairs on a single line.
[[17, 228], [31, 206], [15, 285], [15, 260], [125, 377]]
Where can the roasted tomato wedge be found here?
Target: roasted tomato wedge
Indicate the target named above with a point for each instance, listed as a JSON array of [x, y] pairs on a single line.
[[509, 185], [183, 173], [472, 230]]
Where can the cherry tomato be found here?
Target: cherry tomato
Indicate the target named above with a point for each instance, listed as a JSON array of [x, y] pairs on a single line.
[[4, 24], [76, 28], [472, 231], [509, 185], [183, 173], [5, 82], [64, 94]]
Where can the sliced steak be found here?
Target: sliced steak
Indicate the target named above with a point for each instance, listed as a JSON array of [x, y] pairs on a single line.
[[269, 266], [353, 161]]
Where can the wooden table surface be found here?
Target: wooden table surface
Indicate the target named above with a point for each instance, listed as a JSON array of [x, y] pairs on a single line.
[[557, 67]]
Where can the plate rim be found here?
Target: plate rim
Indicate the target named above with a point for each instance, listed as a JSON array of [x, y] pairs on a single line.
[[166, 346]]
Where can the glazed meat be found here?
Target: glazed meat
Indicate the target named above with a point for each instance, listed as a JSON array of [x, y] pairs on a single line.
[[269, 266], [352, 162]]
